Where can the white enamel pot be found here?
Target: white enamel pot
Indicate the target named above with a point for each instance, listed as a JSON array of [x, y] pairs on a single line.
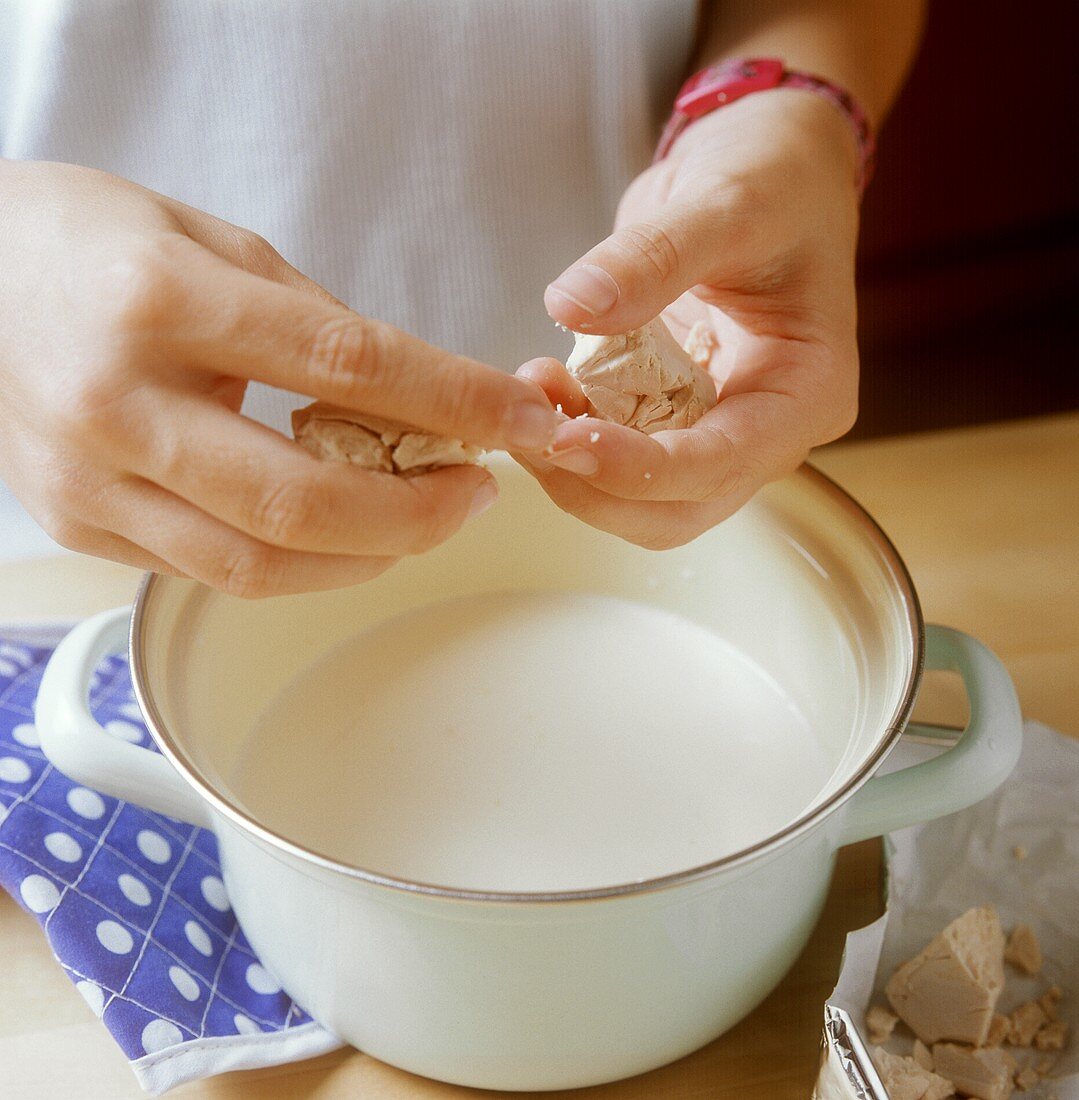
[[530, 991]]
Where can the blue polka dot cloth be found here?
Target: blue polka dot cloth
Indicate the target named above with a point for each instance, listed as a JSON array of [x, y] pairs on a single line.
[[132, 902]]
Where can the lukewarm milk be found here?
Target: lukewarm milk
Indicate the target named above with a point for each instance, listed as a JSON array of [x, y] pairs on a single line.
[[531, 741]]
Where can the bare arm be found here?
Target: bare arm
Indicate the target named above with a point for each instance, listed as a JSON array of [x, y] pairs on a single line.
[[865, 46], [749, 226]]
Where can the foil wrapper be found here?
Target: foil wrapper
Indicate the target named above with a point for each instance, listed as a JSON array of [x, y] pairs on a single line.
[[846, 1070], [1017, 850]]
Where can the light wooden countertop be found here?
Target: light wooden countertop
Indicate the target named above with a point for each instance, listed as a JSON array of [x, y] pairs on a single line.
[[988, 522]]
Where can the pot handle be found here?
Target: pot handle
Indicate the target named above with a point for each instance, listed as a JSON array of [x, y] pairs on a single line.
[[75, 743], [966, 773]]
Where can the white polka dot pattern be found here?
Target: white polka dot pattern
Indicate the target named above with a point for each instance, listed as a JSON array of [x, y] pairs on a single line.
[[153, 846], [260, 979], [185, 985], [245, 1025], [114, 937], [86, 803], [126, 731], [14, 770], [64, 847], [133, 889], [39, 894], [132, 903], [199, 938], [160, 1034], [26, 734], [213, 891], [93, 995]]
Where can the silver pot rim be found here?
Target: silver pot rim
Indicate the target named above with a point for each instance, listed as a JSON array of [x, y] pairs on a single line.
[[801, 825]]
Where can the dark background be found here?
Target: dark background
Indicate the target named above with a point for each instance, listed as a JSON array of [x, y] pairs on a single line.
[[970, 247]]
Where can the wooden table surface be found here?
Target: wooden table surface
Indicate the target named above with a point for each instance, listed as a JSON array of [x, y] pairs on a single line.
[[988, 521]]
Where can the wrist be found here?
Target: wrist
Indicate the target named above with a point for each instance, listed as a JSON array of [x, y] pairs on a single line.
[[726, 86], [816, 130], [795, 141]]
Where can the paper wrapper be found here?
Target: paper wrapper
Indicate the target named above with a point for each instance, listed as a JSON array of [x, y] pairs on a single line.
[[936, 872]]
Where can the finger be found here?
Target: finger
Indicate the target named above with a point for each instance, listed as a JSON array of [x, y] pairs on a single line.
[[261, 330], [86, 539], [218, 555], [261, 483], [653, 525], [631, 465], [248, 251], [747, 440], [118, 549], [639, 270], [562, 389]]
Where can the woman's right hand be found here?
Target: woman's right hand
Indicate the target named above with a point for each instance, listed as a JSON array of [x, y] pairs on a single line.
[[130, 326]]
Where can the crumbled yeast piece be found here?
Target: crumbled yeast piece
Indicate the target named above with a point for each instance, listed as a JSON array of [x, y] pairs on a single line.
[[985, 1074], [344, 435], [950, 989], [1023, 950], [641, 379], [1026, 1079], [1050, 999], [1052, 1036], [881, 1023], [998, 1030], [906, 1080], [922, 1055], [700, 343], [1025, 1022]]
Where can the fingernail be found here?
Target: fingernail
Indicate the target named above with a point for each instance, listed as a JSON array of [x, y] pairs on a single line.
[[532, 427], [485, 496], [576, 459], [588, 287]]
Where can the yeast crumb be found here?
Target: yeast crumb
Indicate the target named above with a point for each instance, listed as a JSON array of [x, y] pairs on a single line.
[[881, 1023], [922, 1055], [998, 1030], [1026, 1021], [949, 990], [1052, 1036], [1023, 950], [1049, 1001]]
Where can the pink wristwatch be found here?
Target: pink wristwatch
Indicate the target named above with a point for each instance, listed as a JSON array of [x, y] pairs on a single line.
[[727, 81]]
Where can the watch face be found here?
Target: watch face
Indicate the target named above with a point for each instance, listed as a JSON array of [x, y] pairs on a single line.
[[726, 82]]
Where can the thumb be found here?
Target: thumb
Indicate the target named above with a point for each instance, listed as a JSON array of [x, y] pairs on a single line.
[[639, 270]]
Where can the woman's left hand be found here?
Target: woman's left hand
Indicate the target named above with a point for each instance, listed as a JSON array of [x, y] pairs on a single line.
[[750, 225]]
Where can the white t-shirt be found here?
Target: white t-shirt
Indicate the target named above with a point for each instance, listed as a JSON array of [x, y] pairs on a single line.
[[433, 164]]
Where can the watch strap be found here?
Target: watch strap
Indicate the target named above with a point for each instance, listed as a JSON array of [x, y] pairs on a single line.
[[728, 81]]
